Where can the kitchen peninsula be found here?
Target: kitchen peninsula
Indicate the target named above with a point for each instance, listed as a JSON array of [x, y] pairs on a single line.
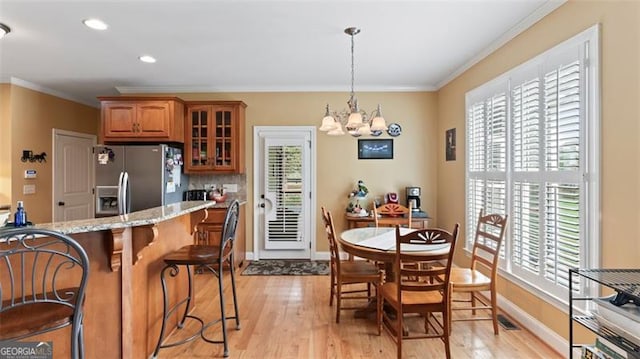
[[123, 306]]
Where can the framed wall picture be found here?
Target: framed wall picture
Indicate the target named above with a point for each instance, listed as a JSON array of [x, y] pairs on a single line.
[[375, 149], [450, 144]]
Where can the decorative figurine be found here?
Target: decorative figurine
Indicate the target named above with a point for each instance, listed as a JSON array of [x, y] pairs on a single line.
[[355, 207]]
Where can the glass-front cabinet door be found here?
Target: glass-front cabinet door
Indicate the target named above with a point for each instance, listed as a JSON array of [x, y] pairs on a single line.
[[215, 137], [224, 138], [199, 127]]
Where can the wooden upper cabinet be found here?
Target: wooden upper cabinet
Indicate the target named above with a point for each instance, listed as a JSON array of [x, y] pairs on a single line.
[[149, 119], [215, 137]]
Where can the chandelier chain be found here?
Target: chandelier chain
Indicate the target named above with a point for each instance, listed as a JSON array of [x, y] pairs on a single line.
[[352, 66]]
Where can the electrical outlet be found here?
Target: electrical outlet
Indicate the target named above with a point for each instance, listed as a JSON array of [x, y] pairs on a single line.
[[230, 187]]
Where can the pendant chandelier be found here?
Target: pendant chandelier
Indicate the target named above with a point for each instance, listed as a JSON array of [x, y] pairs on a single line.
[[354, 120]]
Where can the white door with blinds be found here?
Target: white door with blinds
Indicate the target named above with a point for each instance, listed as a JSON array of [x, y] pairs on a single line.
[[284, 194]]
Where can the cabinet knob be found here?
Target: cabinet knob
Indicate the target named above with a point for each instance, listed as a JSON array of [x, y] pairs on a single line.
[[262, 205], [61, 203]]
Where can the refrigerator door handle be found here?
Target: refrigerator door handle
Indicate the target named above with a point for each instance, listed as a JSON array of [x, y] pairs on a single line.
[[120, 197], [126, 194]]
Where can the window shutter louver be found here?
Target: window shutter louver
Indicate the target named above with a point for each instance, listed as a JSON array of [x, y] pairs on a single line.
[[475, 202], [526, 126], [562, 118], [476, 137], [496, 133], [284, 179], [562, 231], [526, 226]]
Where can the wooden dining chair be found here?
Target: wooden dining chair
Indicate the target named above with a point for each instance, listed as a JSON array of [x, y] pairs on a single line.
[[391, 214], [349, 273], [486, 248], [426, 295]]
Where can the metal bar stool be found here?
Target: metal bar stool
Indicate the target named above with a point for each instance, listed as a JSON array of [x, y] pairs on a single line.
[[203, 257], [43, 278]]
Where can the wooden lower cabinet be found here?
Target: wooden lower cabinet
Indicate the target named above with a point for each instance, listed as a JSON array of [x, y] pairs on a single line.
[[210, 230]]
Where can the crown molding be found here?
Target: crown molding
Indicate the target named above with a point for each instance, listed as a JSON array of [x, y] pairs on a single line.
[[35, 87], [213, 89], [542, 11]]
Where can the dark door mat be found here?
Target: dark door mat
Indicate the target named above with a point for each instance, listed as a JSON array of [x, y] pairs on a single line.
[[506, 323], [287, 267]]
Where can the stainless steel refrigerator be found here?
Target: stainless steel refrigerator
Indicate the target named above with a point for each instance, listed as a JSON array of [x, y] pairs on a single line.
[[135, 177]]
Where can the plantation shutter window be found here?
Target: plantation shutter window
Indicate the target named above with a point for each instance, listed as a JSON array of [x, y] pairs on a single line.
[[528, 158]]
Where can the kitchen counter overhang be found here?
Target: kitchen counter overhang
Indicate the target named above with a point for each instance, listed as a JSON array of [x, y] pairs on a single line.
[[146, 217], [142, 222]]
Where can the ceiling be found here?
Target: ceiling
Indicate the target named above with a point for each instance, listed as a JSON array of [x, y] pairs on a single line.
[[251, 45]]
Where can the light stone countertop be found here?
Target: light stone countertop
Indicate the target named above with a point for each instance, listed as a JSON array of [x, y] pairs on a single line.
[[134, 219]]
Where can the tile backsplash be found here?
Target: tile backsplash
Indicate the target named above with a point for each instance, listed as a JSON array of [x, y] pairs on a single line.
[[199, 182]]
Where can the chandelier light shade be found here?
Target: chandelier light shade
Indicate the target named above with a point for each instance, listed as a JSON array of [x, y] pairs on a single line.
[[354, 120], [378, 123]]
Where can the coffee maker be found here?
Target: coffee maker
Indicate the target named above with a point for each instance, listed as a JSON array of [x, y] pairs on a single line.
[[413, 199]]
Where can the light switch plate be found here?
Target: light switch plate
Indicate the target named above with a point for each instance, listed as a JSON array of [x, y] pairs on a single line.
[[29, 189], [230, 187]]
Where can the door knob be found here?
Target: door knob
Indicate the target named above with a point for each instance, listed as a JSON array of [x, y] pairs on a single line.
[[60, 203]]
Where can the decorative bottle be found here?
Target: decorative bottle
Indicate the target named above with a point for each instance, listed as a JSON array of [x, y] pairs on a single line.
[[20, 217]]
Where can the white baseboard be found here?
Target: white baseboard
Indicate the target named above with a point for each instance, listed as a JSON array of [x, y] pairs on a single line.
[[319, 256], [553, 339]]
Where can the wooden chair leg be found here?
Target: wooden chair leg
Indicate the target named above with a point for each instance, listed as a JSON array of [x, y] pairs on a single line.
[[473, 302], [450, 309], [494, 311], [399, 335], [446, 322], [333, 288], [338, 301], [379, 310]]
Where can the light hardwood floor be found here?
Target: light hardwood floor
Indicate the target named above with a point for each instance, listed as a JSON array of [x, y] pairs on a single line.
[[289, 317]]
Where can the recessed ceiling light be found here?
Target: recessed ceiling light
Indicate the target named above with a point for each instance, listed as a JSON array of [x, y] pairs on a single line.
[[95, 24], [148, 59], [4, 29]]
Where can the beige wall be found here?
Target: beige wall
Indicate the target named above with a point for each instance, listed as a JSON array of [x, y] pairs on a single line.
[[33, 117], [5, 144], [620, 130], [338, 167]]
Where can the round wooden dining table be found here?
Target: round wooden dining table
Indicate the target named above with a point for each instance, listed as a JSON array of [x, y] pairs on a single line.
[[379, 243]]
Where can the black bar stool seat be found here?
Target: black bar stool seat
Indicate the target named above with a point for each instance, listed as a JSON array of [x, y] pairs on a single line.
[[209, 258], [194, 255]]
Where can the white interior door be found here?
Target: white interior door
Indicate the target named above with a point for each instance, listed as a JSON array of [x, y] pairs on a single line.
[[72, 175], [284, 193]]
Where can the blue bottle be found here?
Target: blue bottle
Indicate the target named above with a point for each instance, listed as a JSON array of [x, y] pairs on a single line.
[[20, 217]]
